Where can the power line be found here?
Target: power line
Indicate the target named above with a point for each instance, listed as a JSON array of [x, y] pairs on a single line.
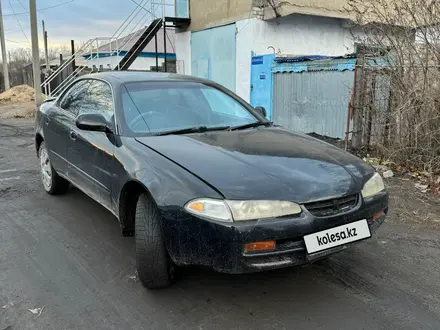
[[18, 43], [18, 21], [45, 8], [21, 4]]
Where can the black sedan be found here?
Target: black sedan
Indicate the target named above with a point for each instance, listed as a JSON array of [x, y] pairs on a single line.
[[200, 177]]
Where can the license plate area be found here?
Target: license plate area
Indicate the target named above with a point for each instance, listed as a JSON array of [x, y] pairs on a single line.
[[338, 236]]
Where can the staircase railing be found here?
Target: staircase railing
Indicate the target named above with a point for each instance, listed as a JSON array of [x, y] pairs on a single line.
[[89, 47], [159, 23]]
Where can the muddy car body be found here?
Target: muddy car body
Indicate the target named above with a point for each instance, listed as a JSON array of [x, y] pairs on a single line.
[[200, 184]]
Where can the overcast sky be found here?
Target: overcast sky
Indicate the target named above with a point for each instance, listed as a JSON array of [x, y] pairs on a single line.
[[79, 20]]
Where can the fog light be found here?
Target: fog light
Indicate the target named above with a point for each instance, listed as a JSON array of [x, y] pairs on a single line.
[[260, 246], [377, 216]]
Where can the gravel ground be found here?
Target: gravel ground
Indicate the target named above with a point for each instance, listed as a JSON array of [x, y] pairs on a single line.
[[65, 258]]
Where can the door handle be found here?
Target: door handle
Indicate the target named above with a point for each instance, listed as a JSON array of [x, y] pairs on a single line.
[[73, 135]]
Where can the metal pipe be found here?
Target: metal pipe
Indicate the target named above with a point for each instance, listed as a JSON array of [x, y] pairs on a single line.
[[157, 55], [97, 53], [72, 49], [165, 45]]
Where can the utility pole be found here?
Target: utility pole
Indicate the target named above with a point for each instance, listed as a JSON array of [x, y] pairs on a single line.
[[35, 52], [3, 45], [46, 52]]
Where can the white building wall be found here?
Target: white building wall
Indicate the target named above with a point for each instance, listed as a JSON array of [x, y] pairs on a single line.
[[110, 62], [183, 52], [293, 35]]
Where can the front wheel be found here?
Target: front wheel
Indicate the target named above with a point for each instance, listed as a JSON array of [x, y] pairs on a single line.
[[52, 182], [155, 267]]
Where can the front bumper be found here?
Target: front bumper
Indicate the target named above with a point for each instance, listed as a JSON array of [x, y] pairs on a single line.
[[194, 241]]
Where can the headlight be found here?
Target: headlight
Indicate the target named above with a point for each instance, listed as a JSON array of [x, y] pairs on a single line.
[[229, 211], [373, 186]]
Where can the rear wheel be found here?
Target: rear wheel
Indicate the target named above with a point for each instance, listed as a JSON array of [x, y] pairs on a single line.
[[155, 267], [52, 182]]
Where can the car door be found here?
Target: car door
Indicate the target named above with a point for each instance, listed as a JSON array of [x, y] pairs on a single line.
[[90, 154], [57, 122]]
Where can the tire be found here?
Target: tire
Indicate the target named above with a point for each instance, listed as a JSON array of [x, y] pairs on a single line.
[[155, 267], [53, 184]]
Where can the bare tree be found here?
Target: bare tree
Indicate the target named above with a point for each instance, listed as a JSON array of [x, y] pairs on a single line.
[[397, 101]]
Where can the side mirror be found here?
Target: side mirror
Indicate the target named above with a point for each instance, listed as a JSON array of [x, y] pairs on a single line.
[[261, 111], [92, 122]]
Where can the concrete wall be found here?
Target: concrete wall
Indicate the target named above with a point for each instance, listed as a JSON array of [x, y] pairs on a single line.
[[211, 13], [294, 35], [183, 52], [325, 8]]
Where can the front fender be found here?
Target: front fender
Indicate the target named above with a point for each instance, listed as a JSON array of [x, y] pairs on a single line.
[[171, 190], [173, 187]]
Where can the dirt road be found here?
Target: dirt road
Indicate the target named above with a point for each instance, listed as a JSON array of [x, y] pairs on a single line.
[[66, 255]]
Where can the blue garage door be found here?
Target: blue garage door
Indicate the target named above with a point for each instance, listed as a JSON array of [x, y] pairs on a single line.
[[213, 55]]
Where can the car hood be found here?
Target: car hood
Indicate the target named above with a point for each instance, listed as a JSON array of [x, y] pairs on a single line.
[[265, 163]]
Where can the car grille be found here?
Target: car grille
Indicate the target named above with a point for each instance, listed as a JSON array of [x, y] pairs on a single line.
[[333, 206]]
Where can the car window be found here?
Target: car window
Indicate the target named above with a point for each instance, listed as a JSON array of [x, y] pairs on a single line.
[[155, 107], [75, 97], [98, 99], [223, 105]]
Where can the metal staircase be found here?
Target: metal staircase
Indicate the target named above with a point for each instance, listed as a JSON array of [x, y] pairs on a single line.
[[140, 44], [67, 71]]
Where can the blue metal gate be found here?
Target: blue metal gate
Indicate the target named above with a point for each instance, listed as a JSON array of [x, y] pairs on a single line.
[[261, 82]]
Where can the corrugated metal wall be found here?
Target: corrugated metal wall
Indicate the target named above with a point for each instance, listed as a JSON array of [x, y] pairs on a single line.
[[313, 102]]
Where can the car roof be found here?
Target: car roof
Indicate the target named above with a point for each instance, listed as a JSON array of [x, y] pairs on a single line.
[[122, 77]]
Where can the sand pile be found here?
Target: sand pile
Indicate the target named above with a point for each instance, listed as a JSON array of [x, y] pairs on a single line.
[[18, 94]]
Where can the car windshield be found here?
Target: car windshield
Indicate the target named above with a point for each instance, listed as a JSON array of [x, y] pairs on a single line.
[[164, 107]]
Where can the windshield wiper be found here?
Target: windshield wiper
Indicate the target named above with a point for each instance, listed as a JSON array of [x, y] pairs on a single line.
[[251, 125], [196, 129]]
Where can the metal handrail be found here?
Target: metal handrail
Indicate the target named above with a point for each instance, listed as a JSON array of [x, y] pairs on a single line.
[[80, 52], [83, 50], [133, 31], [135, 28], [160, 22], [69, 78], [138, 8], [66, 63]]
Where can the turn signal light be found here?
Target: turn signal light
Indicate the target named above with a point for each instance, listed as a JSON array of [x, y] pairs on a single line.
[[260, 246], [378, 215]]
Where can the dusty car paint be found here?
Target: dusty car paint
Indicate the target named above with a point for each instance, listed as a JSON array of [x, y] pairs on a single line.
[[260, 163], [265, 163]]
